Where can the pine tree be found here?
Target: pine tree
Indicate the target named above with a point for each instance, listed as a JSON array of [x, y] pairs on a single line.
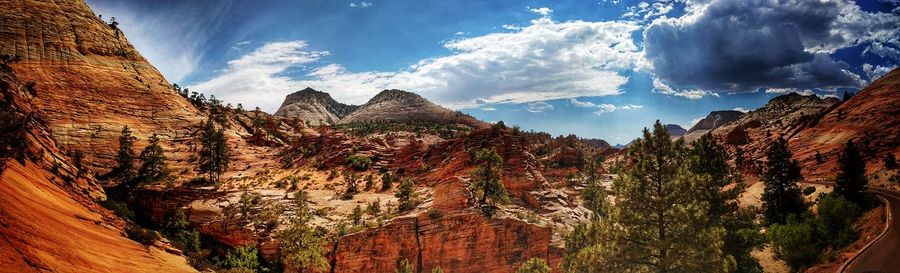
[[488, 184], [356, 215], [213, 154], [594, 194], [658, 223], [302, 245], [153, 161], [851, 180], [406, 195], [782, 194], [125, 156]]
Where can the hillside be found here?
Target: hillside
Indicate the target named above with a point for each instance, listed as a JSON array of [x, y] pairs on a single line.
[[315, 107]]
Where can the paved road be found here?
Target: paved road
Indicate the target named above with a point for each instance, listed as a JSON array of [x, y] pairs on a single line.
[[884, 255]]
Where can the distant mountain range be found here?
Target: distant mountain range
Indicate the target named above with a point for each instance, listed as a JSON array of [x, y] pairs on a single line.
[[319, 108]]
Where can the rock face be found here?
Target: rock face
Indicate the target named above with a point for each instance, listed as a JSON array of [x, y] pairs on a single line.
[[462, 241], [315, 107], [715, 119], [389, 105], [48, 219], [871, 118], [90, 80]]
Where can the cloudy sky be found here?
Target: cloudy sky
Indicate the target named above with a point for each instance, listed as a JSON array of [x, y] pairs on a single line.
[[601, 69]]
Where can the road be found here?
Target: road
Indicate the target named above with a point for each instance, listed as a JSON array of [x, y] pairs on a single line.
[[884, 254]]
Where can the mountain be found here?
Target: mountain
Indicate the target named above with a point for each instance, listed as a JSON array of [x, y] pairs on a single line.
[[714, 120], [784, 116], [675, 130], [316, 107], [388, 105], [871, 119]]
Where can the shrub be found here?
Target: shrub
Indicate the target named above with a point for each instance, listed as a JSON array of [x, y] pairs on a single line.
[[534, 265], [141, 235], [809, 190], [836, 216], [406, 195], [181, 234], [359, 162], [374, 208], [386, 181], [245, 257], [119, 208], [403, 266], [796, 241]]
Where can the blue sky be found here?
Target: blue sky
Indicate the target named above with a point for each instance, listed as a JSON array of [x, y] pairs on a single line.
[[601, 69]]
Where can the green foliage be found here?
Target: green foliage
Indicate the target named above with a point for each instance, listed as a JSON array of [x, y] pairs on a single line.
[[119, 208], [386, 181], [659, 223], [350, 179], [534, 265], [374, 208], [125, 156], [406, 195], [487, 181], [851, 179], [141, 235], [181, 234], [437, 269], [359, 162], [594, 194], [796, 241], [836, 217], [356, 215], [809, 190], [153, 162], [214, 158], [302, 246], [364, 128], [403, 266], [245, 257], [782, 194]]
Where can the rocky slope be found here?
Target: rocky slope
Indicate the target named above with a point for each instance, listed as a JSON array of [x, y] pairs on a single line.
[[714, 120], [48, 218], [388, 105], [871, 118], [315, 107], [675, 130], [783, 116]]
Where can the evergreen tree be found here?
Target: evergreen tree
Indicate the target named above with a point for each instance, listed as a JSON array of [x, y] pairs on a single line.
[[534, 265], [658, 223], [782, 194], [851, 179], [356, 215], [406, 195], [302, 246], [213, 154], [890, 161], [488, 184], [125, 156], [594, 194], [153, 161]]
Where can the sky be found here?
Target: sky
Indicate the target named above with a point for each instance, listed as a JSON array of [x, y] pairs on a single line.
[[599, 69]]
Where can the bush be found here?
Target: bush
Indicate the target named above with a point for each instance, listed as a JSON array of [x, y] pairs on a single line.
[[359, 162], [181, 234], [245, 257], [809, 190], [141, 235], [836, 217], [796, 241], [119, 208], [534, 265]]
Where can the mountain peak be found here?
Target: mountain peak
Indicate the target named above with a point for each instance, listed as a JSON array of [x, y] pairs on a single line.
[[314, 106], [395, 94]]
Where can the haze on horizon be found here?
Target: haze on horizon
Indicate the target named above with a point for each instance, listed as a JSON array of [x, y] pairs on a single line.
[[596, 69]]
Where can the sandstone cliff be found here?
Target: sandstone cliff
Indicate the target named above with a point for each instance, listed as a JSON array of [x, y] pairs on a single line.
[[317, 108]]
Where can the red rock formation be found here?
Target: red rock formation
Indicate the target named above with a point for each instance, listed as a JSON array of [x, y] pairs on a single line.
[[460, 241]]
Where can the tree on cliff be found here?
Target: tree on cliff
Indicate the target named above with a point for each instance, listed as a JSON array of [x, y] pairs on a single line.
[[406, 195], [890, 161], [302, 245], [534, 265], [213, 155], [12, 135], [153, 161], [782, 195], [594, 194], [488, 186], [125, 156], [658, 223], [851, 179]]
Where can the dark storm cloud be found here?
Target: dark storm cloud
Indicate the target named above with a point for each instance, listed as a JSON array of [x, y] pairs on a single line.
[[744, 45]]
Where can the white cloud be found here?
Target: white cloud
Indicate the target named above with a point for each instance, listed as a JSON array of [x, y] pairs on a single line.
[[488, 109], [255, 79], [604, 107], [741, 109], [538, 106], [695, 121], [546, 60], [579, 103], [543, 11], [362, 4], [694, 94], [875, 72]]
